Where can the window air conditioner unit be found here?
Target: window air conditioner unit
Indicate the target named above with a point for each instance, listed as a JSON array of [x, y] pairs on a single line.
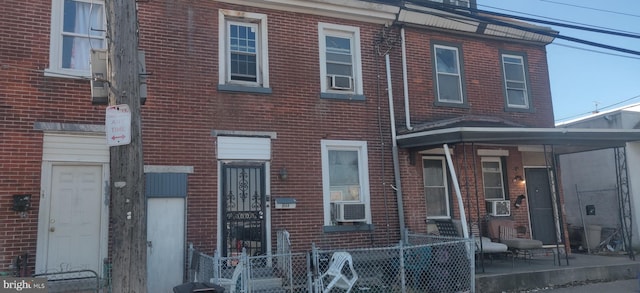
[[340, 82], [500, 208], [348, 212], [99, 85]]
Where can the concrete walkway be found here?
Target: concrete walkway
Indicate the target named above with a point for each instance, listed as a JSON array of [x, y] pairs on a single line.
[[542, 271]]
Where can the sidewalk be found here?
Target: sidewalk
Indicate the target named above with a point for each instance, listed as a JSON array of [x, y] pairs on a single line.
[[622, 286]]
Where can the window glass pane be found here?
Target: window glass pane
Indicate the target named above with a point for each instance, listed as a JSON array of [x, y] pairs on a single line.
[[449, 88], [83, 18], [339, 56], [338, 45], [339, 69], [512, 59], [436, 201], [514, 72], [344, 176], [516, 97], [435, 189], [433, 173], [492, 180], [447, 60], [243, 61]]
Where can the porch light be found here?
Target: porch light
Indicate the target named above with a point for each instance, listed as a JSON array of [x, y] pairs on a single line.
[[283, 174], [518, 179]]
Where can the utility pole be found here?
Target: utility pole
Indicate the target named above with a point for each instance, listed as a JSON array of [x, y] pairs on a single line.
[[128, 209]]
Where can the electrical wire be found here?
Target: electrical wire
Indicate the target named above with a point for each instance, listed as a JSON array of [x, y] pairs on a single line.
[[603, 108], [594, 51], [564, 23], [591, 8], [473, 14]]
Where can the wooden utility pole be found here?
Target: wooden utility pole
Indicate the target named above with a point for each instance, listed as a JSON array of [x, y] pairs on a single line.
[[128, 209]]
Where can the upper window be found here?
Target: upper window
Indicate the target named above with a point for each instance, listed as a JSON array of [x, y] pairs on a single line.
[[345, 181], [515, 81], [448, 74], [243, 52], [77, 26], [340, 65], [436, 191], [492, 178]]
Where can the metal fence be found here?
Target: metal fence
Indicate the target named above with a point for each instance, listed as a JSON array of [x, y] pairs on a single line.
[[422, 263]]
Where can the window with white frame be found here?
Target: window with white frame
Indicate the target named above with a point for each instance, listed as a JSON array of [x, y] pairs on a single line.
[[243, 54], [492, 178], [340, 64], [436, 190], [77, 26], [448, 74], [345, 180], [515, 81]]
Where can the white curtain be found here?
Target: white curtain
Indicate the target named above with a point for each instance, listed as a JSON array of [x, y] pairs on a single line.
[[89, 21]]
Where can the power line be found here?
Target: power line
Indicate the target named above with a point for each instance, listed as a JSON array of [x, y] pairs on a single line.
[[562, 20], [595, 51], [591, 8], [464, 12], [603, 108], [567, 25]]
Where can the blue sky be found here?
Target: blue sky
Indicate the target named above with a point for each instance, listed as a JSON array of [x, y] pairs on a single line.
[[580, 79]]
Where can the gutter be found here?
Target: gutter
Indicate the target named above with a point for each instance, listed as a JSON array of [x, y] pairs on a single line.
[[396, 163]]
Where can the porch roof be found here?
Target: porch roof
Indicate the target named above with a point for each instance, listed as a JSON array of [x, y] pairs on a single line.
[[564, 140]]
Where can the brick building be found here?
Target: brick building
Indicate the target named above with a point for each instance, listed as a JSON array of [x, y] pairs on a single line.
[[270, 115]]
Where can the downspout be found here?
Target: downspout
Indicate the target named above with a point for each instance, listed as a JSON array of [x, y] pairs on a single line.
[[396, 163], [407, 114], [456, 185]]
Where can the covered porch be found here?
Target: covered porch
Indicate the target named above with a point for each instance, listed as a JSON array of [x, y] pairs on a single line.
[[526, 159]]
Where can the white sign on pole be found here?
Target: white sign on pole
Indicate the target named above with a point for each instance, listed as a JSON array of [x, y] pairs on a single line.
[[118, 125]]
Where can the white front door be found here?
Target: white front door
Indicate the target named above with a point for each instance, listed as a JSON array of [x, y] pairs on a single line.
[[74, 225], [165, 241]]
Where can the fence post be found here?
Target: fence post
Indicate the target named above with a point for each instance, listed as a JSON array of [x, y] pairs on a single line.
[[217, 265], [403, 281], [191, 272]]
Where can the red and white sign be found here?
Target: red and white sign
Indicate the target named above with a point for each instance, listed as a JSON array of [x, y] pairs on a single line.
[[118, 125]]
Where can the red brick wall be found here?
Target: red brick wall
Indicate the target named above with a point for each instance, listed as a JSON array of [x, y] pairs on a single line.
[[180, 39], [482, 77]]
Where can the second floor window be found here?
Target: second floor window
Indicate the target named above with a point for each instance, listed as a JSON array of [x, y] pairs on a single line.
[[340, 68], [515, 81], [242, 51], [448, 74], [77, 26]]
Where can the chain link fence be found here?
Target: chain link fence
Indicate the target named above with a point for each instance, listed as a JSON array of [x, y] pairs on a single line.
[[423, 263]]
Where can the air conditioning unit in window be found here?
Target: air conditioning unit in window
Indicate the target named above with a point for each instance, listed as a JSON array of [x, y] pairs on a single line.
[[340, 82], [348, 212], [499, 208]]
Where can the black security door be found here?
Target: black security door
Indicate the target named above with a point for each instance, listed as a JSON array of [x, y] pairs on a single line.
[[243, 209], [540, 205]]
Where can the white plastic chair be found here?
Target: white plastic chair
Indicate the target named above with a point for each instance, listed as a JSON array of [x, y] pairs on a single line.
[[232, 283], [336, 265]]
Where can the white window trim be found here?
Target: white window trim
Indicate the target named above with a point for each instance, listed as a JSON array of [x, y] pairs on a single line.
[[325, 29], [263, 51], [55, 42], [493, 159], [363, 168], [459, 75], [526, 85], [446, 186]]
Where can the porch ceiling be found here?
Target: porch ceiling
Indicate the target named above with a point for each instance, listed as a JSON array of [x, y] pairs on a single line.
[[564, 140]]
